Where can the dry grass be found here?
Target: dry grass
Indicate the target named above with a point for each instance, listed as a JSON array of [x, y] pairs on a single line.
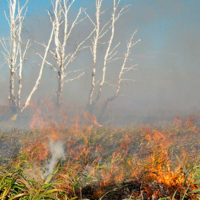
[[102, 163]]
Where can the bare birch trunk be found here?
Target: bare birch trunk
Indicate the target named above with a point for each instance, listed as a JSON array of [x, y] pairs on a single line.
[[12, 95], [13, 54], [90, 105], [20, 61], [19, 82], [19, 92], [99, 33], [60, 89]]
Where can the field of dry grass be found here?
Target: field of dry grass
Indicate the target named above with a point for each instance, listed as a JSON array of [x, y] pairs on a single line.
[[93, 162]]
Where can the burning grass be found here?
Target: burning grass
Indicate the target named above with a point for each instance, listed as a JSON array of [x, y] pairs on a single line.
[[57, 162]]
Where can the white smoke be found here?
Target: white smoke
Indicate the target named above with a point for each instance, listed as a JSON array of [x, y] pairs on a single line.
[[57, 152]]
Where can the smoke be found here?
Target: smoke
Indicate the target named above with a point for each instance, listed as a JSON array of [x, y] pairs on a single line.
[[166, 82], [57, 152]]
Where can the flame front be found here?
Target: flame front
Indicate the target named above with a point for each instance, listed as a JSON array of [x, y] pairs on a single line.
[[110, 156]]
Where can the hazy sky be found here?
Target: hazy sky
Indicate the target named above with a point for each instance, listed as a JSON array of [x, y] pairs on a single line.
[[168, 54]]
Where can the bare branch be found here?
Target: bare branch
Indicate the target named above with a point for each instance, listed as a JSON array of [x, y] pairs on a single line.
[[111, 85], [7, 18], [60, 16], [67, 1], [72, 79], [22, 56], [108, 50], [48, 63], [50, 17], [42, 44], [121, 12], [129, 68], [66, 57], [78, 48], [26, 48], [3, 64], [89, 18], [6, 57], [113, 49], [127, 80], [123, 70], [74, 71], [52, 53], [72, 26], [13, 51], [81, 20], [40, 73], [3, 43], [102, 34], [114, 59], [111, 57]]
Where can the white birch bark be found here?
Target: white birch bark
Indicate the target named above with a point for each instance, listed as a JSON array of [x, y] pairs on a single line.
[[21, 55], [40, 73], [123, 70], [60, 17], [94, 47], [13, 56], [110, 51], [13, 50]]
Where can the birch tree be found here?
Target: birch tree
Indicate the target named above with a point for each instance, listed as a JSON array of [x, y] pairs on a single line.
[[47, 47], [62, 32], [110, 53], [13, 53], [124, 69], [44, 57]]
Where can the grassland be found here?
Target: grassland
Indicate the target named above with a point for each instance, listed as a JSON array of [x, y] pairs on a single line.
[[101, 163]]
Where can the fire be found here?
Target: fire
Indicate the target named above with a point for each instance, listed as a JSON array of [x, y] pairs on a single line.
[[146, 155], [91, 118]]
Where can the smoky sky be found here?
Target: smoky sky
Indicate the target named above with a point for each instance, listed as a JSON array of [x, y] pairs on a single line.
[[167, 76]]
